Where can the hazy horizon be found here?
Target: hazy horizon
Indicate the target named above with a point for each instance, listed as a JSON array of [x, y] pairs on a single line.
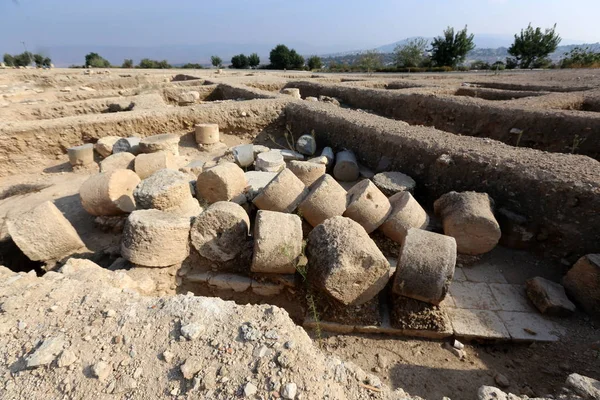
[[310, 26]]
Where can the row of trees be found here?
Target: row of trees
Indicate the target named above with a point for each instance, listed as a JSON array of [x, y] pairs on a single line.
[[25, 59], [241, 61], [280, 57]]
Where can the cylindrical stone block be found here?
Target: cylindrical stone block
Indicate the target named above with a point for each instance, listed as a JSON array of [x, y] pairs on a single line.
[[326, 199], [194, 168], [244, 155], [147, 164], [270, 161], [277, 242], [43, 233], [330, 155], [406, 213], [307, 172], [104, 145], [163, 190], [425, 266], [294, 92], [282, 194], [392, 182], [469, 218], [223, 182], [155, 238], [109, 193], [257, 180], [367, 205], [346, 167], [81, 155], [345, 262], [189, 207], [167, 142], [207, 133], [220, 233], [123, 160], [307, 145], [129, 144]]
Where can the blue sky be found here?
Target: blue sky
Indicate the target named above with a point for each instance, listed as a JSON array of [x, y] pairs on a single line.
[[327, 24]]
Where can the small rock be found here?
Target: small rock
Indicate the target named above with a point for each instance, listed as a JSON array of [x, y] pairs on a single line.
[[101, 370], [249, 332], [250, 389], [191, 367], [168, 356], [192, 331], [586, 387], [502, 380], [458, 345], [289, 391], [110, 313], [47, 352], [67, 357]]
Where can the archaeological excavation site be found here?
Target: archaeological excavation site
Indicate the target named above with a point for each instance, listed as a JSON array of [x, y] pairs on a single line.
[[217, 234]]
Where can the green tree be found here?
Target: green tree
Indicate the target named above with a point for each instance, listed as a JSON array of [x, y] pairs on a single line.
[[314, 62], [280, 57], [532, 45], [9, 60], [579, 57], [192, 66], [239, 62], [369, 61], [253, 60], [39, 60], [411, 54], [23, 59], [127, 63], [96, 61], [296, 59], [451, 49], [47, 62], [216, 61], [163, 64]]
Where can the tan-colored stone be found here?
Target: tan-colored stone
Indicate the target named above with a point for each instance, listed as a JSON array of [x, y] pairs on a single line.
[[346, 167], [582, 283], [109, 193], [123, 160], [326, 199], [406, 213], [393, 182], [81, 155], [104, 145], [163, 190], [223, 182], [282, 194], [367, 205], [167, 142], [277, 242], [549, 297], [207, 133], [307, 172], [147, 164]]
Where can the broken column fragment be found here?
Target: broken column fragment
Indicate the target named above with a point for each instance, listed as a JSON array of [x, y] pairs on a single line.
[[406, 213], [326, 199], [220, 233], [270, 161], [277, 242], [549, 297], [582, 283], [425, 266], [307, 145], [284, 193], [104, 145], [257, 180], [123, 160], [344, 261], [223, 182], [147, 164], [244, 155], [163, 190], [367, 205], [129, 144], [154, 238], [43, 233], [469, 218], [207, 134], [307, 172], [80, 156], [393, 182], [109, 193], [346, 167], [167, 142]]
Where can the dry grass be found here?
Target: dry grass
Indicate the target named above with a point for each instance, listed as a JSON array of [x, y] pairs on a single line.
[[22, 188]]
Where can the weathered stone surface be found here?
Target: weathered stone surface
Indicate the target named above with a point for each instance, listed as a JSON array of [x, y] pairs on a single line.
[[244, 155], [330, 155], [207, 133], [283, 194], [104, 145], [406, 213], [47, 352], [582, 283], [308, 172], [307, 145], [277, 242], [549, 297], [147, 164], [326, 199], [154, 238], [257, 180], [193, 168], [223, 182], [468, 217], [425, 266], [344, 261], [123, 160], [43, 233], [81, 155], [109, 193], [167, 142], [393, 182], [220, 233], [586, 387], [270, 161], [129, 144], [163, 190], [346, 167], [188, 208], [367, 205], [294, 92]]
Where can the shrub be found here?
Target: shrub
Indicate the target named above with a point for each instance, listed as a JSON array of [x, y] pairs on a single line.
[[579, 57], [216, 61], [253, 60], [239, 62], [147, 63], [96, 61], [192, 66], [411, 54], [127, 63], [314, 62]]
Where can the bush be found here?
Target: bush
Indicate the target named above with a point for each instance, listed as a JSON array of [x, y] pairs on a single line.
[[127, 63], [480, 65], [369, 61], [579, 57], [216, 61], [253, 60], [147, 63], [314, 62], [192, 66], [498, 66], [411, 54], [96, 61], [239, 62]]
